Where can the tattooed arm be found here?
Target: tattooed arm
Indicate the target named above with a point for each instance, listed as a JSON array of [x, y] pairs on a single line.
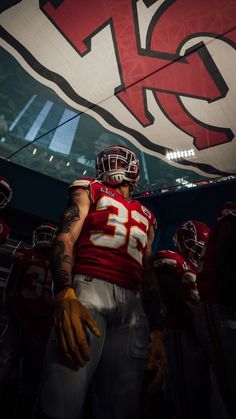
[[71, 318], [69, 231]]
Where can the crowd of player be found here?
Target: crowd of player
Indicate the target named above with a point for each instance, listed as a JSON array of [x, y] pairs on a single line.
[[28, 308], [100, 327]]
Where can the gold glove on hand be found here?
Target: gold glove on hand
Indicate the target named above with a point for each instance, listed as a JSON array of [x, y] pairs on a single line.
[[157, 362], [71, 319]]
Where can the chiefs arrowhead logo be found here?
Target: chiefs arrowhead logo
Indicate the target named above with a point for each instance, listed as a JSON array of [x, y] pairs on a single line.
[[159, 73]]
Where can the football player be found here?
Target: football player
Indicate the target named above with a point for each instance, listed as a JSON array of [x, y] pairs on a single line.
[[101, 329], [215, 317], [175, 272], [29, 304]]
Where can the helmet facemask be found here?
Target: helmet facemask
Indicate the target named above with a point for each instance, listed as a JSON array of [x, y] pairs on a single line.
[[193, 250], [229, 209], [44, 235], [117, 165], [5, 193], [190, 238]]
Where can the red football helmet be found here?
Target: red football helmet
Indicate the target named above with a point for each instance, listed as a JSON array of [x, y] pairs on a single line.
[[117, 164], [5, 192], [190, 238], [44, 235]]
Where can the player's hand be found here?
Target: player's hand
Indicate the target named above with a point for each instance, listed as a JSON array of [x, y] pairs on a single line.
[[71, 320], [157, 362]]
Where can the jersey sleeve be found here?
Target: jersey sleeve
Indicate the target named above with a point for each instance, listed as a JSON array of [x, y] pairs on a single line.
[[149, 214], [80, 183], [88, 184]]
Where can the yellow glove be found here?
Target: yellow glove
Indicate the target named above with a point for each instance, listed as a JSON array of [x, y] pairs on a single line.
[[71, 319], [157, 362]]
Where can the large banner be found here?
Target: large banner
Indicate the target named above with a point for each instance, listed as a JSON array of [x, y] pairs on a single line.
[[161, 74]]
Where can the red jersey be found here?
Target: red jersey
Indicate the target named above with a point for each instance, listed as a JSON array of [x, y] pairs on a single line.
[[113, 239], [34, 286], [181, 266]]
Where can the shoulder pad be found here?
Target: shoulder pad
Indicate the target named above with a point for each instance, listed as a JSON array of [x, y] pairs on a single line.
[[80, 183], [146, 211], [166, 257], [164, 261]]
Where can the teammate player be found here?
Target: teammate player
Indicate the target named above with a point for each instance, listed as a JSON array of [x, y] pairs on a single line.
[[29, 305], [215, 317], [100, 325], [176, 275]]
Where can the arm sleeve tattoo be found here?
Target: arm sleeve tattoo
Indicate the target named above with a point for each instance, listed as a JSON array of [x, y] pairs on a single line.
[[61, 276], [70, 215], [60, 261]]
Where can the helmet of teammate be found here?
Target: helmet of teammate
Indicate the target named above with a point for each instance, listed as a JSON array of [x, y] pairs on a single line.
[[190, 238], [229, 208], [117, 164], [5, 192], [44, 235]]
